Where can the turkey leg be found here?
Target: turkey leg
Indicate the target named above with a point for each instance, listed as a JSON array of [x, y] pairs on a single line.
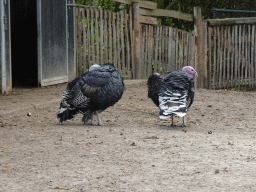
[[99, 121]]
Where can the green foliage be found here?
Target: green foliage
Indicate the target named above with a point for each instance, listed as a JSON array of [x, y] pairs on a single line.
[[104, 4], [244, 88], [85, 2], [124, 73], [185, 6]]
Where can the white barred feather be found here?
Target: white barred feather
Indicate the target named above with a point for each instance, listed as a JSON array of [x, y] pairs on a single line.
[[175, 104], [79, 99]]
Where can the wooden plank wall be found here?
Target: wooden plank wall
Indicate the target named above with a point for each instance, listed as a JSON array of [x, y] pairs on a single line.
[[231, 56], [102, 37], [165, 49]]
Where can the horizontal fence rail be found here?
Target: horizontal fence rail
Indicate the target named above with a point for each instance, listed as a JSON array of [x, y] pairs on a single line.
[[231, 56]]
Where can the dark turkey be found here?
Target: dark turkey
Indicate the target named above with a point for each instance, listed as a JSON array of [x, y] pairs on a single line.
[[176, 94], [91, 93]]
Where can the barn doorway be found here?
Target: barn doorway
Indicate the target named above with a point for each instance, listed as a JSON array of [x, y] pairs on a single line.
[[24, 43]]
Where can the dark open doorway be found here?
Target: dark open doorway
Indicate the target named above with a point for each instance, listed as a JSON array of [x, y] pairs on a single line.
[[24, 43]]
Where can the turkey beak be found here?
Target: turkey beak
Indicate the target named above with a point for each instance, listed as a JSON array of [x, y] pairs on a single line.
[[196, 74]]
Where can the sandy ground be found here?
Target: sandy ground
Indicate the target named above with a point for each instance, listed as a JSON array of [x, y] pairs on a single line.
[[135, 151]]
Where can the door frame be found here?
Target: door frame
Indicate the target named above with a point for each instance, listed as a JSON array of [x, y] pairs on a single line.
[[5, 35]]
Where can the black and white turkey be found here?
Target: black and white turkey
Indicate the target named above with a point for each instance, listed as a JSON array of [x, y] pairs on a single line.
[[173, 92], [177, 92], [91, 93]]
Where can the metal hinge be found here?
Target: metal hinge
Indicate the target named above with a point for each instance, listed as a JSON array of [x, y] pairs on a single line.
[[69, 2]]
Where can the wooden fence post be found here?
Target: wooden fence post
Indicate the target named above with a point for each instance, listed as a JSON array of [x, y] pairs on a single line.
[[200, 46], [136, 41], [205, 54]]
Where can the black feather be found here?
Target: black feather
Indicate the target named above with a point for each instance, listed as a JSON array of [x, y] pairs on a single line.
[[154, 85]]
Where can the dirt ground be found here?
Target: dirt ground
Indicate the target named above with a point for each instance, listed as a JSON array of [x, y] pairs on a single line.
[[135, 151]]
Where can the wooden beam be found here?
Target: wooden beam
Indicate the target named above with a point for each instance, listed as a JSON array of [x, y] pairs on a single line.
[[143, 4], [200, 62], [167, 13], [231, 21], [136, 40], [129, 2], [147, 4], [198, 36], [148, 20]]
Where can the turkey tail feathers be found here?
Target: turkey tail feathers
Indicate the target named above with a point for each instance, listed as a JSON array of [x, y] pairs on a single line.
[[65, 111], [66, 114]]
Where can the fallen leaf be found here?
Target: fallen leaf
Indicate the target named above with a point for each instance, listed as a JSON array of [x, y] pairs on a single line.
[[6, 169]]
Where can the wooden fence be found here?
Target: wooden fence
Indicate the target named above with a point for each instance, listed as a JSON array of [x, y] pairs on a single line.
[[159, 48], [231, 53], [165, 49], [221, 50], [132, 41], [102, 37]]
